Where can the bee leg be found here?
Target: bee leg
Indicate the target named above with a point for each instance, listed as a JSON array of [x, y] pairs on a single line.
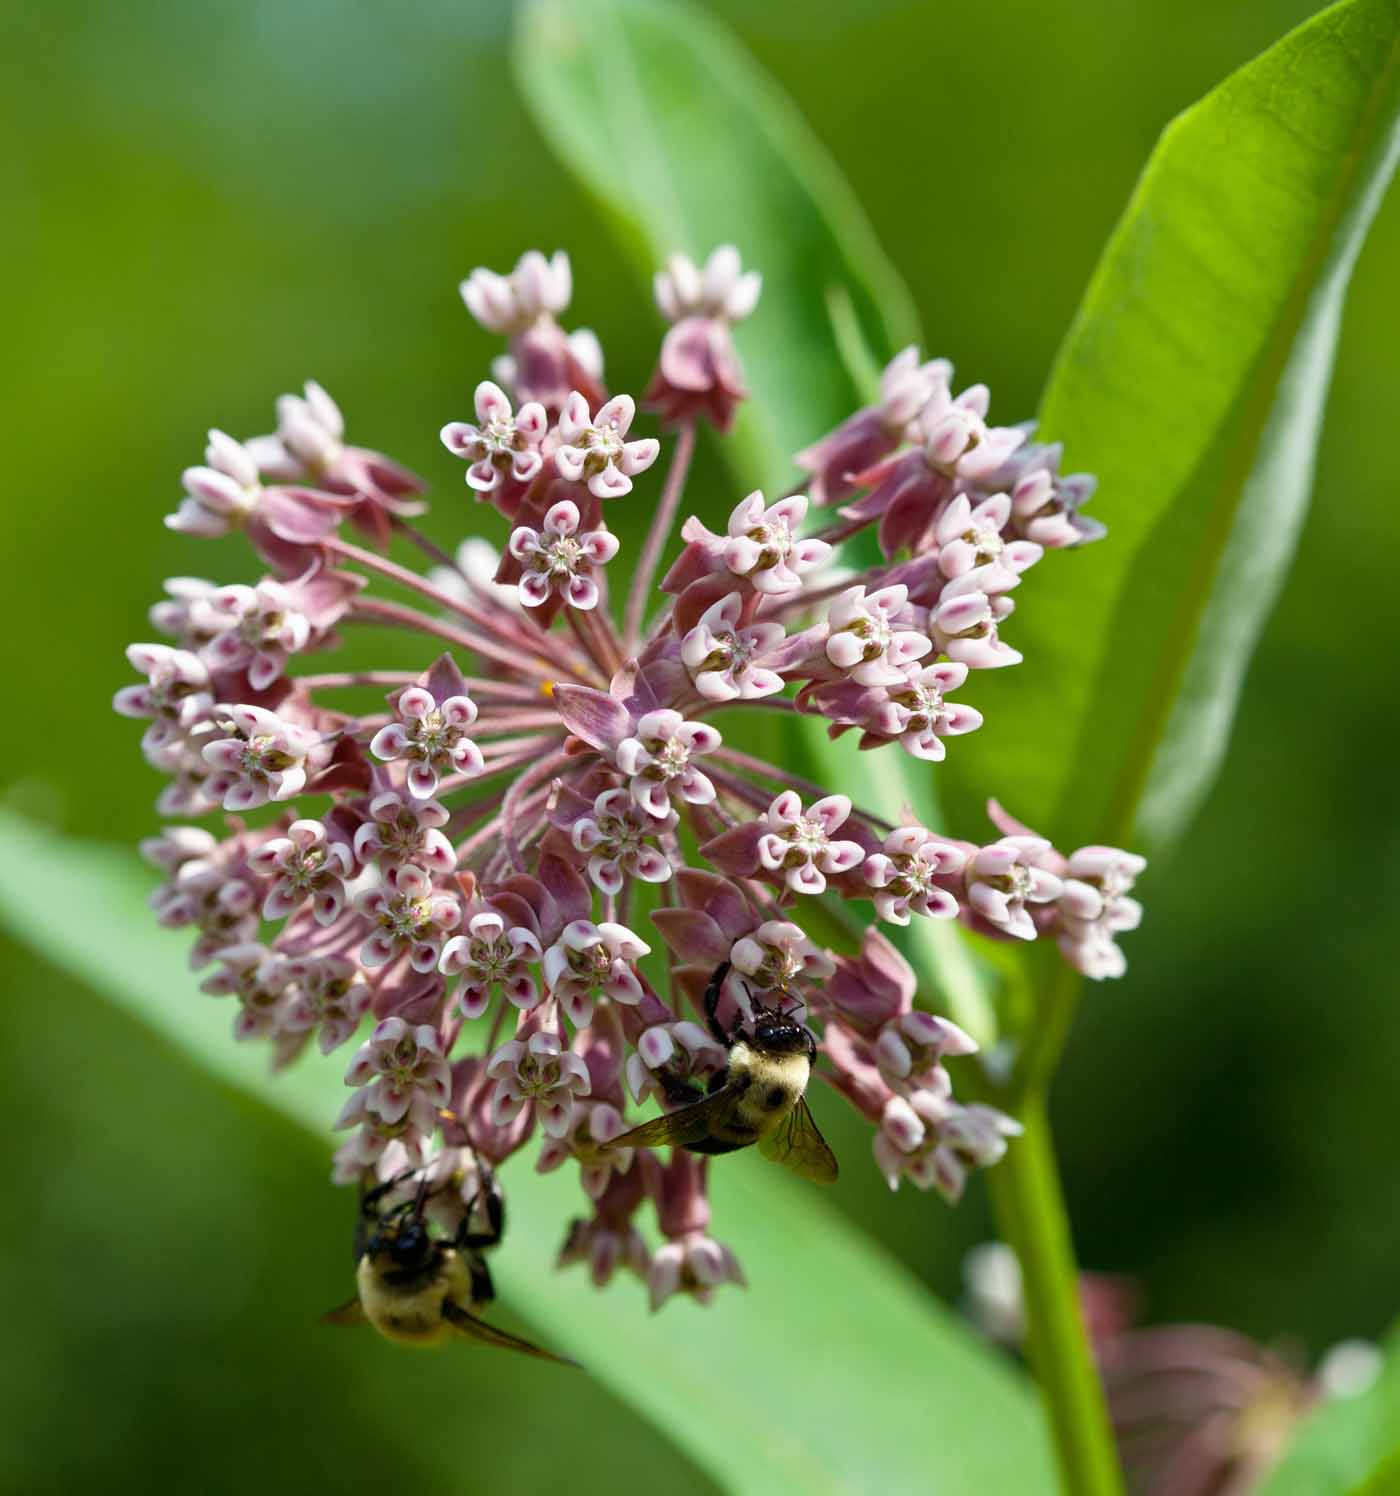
[[368, 1219], [495, 1207], [677, 1091], [483, 1289], [370, 1198], [713, 993]]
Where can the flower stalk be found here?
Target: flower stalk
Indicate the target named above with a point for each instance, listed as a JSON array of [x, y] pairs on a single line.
[[1029, 1209]]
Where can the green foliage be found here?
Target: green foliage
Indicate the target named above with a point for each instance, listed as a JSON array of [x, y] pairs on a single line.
[[1192, 382], [687, 144], [1350, 1446], [837, 1373]]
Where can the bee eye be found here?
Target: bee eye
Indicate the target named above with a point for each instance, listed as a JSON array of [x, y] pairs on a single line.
[[409, 1245], [775, 1097]]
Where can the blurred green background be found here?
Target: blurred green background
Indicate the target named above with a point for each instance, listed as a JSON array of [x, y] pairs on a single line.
[[207, 203]]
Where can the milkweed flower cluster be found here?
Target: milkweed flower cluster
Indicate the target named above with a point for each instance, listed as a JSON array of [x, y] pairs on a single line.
[[512, 873]]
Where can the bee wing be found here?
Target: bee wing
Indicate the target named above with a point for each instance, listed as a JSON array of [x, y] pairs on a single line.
[[687, 1124], [798, 1143], [351, 1312], [477, 1329]]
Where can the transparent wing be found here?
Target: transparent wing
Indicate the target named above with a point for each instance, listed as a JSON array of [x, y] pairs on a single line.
[[797, 1142], [351, 1312], [687, 1124], [478, 1329]]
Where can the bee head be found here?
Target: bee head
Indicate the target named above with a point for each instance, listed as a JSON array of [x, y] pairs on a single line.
[[408, 1245], [778, 1034]]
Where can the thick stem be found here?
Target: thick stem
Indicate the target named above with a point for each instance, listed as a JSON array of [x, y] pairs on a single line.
[[657, 536], [1030, 1213], [1045, 1040]]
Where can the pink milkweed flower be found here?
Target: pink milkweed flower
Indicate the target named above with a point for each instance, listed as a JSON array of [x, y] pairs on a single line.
[[917, 713], [410, 918], [873, 987], [971, 537], [543, 363], [309, 446], [906, 873], [694, 1264], [579, 357], [557, 558], [657, 760], [864, 640], [670, 1052], [304, 864], [220, 495], [722, 289], [403, 1076], [910, 1048], [1044, 504], [432, 734], [934, 1141], [207, 892], [778, 954], [510, 303], [609, 1240], [541, 1073], [964, 624], [1094, 907], [227, 494], [763, 546], [504, 443], [400, 829], [260, 758], [871, 434], [186, 612], [800, 845], [614, 839], [176, 698], [594, 450], [590, 961], [329, 995], [724, 659], [258, 978], [594, 1125], [698, 369], [262, 625], [690, 1261], [955, 437], [1003, 879], [492, 954]]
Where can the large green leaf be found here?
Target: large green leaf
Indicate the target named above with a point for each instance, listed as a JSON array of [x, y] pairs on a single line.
[[1349, 1446], [1192, 382], [834, 1373], [687, 144]]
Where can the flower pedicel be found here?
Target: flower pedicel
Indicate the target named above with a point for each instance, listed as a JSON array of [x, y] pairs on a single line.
[[565, 843]]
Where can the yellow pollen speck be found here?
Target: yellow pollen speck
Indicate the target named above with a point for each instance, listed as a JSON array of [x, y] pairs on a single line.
[[546, 688]]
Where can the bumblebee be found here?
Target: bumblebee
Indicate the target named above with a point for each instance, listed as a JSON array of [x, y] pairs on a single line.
[[759, 1096], [421, 1289]]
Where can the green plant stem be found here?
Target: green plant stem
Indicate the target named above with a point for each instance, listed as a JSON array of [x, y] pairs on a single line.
[[1030, 1212], [1045, 1039]]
